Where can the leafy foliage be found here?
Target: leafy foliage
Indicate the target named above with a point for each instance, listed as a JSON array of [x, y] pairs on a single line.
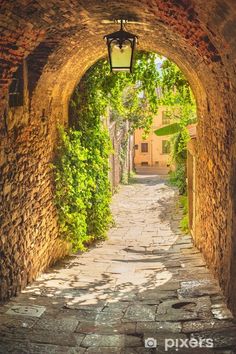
[[83, 192], [175, 87], [178, 178], [178, 97], [184, 223], [82, 188], [168, 129], [133, 97], [72, 192]]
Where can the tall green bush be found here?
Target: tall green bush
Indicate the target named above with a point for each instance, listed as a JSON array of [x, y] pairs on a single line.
[[82, 188]]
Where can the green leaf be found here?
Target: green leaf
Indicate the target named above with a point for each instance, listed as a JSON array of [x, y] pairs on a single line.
[[169, 129]]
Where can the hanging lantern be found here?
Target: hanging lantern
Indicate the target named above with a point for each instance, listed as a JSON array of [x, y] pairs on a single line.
[[121, 46]]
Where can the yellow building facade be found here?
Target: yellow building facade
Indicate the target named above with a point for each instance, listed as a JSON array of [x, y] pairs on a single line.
[[153, 153]]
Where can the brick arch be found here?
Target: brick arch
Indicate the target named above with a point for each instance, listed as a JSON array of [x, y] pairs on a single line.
[[59, 42]]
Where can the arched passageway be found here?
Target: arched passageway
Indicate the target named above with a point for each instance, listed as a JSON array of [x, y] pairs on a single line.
[[53, 44]]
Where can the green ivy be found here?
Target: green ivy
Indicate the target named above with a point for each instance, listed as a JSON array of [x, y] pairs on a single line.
[[184, 223], [83, 192], [72, 188]]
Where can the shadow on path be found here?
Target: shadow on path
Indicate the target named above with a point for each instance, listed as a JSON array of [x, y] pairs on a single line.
[[146, 281]]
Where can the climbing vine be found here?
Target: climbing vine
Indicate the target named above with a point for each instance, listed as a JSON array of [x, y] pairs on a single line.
[[82, 188]]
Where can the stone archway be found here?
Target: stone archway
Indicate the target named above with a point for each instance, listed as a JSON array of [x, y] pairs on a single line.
[[59, 43]]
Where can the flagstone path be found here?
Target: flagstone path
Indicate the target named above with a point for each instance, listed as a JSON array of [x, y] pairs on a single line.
[[146, 283]]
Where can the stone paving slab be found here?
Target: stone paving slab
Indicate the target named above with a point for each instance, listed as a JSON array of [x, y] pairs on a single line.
[[34, 348], [106, 328], [205, 325], [41, 336], [58, 324], [158, 327], [146, 281], [103, 350], [114, 340]]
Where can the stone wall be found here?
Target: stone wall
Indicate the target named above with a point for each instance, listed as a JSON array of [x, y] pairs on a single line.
[[60, 41], [29, 231], [214, 158]]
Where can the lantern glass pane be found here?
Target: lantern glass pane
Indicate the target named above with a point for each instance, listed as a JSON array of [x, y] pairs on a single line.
[[121, 57]]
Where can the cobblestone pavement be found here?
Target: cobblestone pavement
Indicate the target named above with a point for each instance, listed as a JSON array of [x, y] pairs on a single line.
[[146, 281]]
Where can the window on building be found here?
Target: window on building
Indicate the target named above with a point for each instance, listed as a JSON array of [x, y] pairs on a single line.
[[136, 146], [144, 163], [16, 89], [165, 147], [144, 147], [165, 118]]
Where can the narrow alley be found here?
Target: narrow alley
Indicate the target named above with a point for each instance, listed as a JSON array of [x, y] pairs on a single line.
[[146, 283]]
